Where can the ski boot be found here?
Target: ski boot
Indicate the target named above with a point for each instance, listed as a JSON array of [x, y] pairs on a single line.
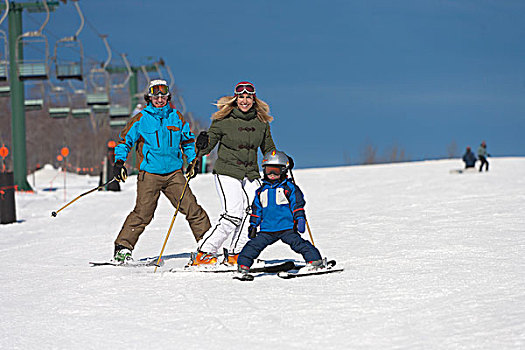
[[122, 255], [229, 259], [315, 265], [243, 273], [203, 259]]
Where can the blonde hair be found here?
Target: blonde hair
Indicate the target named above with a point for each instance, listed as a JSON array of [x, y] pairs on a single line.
[[227, 103]]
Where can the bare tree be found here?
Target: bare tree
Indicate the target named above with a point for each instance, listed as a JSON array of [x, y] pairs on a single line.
[[395, 154], [452, 149], [369, 154]]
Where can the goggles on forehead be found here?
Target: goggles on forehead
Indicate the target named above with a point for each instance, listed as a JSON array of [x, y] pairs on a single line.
[[244, 89], [161, 90], [273, 170]]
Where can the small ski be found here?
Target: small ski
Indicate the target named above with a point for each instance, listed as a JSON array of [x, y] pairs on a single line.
[[139, 263], [329, 269], [268, 268], [285, 266]]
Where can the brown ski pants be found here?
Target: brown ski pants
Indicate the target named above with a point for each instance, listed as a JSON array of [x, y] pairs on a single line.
[[149, 187]]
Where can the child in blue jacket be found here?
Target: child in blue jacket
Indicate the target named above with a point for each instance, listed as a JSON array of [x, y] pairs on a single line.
[[278, 208]]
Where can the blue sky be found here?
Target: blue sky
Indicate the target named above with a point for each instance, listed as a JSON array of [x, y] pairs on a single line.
[[338, 75]]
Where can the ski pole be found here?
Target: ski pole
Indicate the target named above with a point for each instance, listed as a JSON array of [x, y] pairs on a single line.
[[54, 214], [305, 220], [176, 212]]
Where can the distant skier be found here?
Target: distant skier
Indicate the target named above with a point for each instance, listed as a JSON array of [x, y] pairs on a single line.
[[482, 155], [278, 208], [469, 158]]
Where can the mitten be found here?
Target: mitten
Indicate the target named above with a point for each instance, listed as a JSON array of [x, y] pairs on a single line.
[[252, 232], [300, 225], [202, 140]]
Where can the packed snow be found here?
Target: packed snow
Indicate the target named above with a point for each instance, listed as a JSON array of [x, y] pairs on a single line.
[[432, 260]]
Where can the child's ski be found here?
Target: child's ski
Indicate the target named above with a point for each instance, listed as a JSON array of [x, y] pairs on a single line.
[[303, 273], [267, 268], [286, 266]]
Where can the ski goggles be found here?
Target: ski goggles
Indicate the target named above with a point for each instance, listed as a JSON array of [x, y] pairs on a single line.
[[162, 90], [244, 88], [273, 170]]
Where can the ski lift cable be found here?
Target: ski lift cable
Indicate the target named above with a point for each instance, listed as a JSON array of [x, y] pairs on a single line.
[[81, 15], [6, 11], [104, 38], [128, 75], [47, 17]]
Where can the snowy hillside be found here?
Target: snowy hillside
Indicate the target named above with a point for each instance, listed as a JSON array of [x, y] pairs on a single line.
[[432, 260]]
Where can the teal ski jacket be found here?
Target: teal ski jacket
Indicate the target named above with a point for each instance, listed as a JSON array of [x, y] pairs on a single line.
[[161, 136]]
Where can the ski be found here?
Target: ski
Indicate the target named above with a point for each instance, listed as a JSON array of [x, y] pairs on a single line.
[[330, 268], [139, 263], [267, 268], [285, 266]]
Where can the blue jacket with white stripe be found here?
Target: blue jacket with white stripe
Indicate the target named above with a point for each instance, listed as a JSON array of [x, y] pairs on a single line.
[[161, 135], [277, 205]]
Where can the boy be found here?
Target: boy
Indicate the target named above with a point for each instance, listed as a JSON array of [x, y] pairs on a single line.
[[278, 208]]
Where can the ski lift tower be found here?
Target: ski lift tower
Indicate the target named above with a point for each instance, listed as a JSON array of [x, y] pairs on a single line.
[[18, 117]]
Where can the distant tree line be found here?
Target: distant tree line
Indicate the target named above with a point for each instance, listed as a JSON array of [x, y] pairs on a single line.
[[369, 154]]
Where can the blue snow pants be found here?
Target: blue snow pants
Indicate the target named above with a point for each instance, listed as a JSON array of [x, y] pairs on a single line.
[[256, 245]]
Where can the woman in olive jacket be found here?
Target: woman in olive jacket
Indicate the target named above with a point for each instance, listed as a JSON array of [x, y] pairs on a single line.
[[240, 126]]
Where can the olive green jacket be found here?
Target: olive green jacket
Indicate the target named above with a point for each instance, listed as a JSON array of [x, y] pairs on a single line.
[[239, 135]]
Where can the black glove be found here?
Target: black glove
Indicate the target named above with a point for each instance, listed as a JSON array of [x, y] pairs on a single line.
[[190, 171], [119, 171], [202, 140], [290, 163], [252, 232]]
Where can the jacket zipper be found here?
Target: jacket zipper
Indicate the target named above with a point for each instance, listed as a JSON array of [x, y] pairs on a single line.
[[157, 134]]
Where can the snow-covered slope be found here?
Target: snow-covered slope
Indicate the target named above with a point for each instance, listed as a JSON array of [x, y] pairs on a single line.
[[432, 260]]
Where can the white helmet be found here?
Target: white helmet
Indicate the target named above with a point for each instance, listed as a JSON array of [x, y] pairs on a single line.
[[158, 87], [275, 158]]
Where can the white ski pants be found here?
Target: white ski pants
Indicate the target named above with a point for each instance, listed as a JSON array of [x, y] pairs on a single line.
[[236, 197]]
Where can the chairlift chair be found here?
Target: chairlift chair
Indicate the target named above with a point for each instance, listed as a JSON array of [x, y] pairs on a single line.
[[69, 53], [36, 67], [99, 80], [4, 59], [68, 67], [59, 102], [5, 91], [78, 101], [36, 100], [80, 112], [118, 123], [32, 52], [119, 111], [4, 56]]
